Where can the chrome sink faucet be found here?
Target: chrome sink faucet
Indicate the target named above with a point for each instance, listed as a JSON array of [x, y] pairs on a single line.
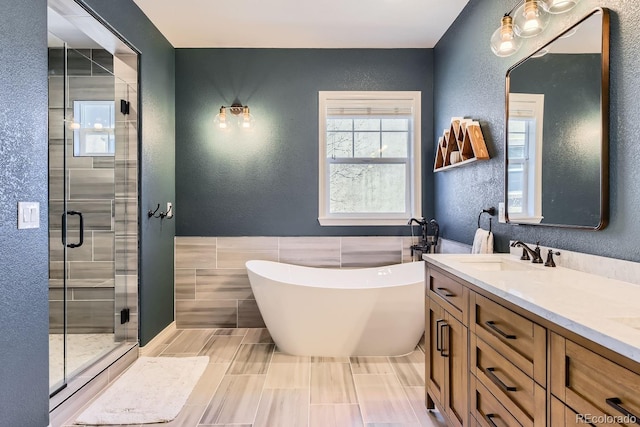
[[535, 253]]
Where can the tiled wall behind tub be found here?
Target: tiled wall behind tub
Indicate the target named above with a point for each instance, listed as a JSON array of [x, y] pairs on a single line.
[[212, 288]]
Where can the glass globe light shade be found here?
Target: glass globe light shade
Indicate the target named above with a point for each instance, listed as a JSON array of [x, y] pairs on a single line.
[[246, 120], [221, 119], [504, 41], [558, 6], [530, 19]]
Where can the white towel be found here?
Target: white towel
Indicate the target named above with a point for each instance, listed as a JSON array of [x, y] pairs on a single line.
[[482, 242]]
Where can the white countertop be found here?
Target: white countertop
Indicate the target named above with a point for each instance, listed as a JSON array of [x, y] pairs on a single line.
[[605, 311]]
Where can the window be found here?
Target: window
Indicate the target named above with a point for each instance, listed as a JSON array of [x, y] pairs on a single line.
[[369, 158], [93, 130], [525, 157]]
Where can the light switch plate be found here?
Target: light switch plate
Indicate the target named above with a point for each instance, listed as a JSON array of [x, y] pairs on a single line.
[[501, 217], [28, 215]]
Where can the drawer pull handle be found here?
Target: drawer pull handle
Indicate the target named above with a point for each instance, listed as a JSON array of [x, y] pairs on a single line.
[[497, 381], [438, 338], [489, 418], [616, 403], [491, 324], [447, 292]]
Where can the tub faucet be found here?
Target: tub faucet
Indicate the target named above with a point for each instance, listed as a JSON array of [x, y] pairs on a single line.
[[535, 253]]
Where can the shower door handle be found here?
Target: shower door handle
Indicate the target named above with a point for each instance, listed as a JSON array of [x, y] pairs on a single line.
[[64, 229]]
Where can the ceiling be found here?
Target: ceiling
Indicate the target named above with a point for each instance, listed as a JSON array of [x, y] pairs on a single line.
[[300, 24]]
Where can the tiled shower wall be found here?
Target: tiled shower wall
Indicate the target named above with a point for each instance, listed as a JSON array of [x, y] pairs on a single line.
[[104, 189], [212, 288]]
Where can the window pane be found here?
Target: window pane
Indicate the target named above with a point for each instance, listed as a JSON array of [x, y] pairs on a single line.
[[395, 144], [517, 138], [339, 124], [366, 124], [516, 152], [395, 124], [367, 144], [517, 126], [339, 144], [357, 188]]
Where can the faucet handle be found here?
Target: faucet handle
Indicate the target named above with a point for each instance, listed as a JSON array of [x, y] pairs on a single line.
[[550, 262]]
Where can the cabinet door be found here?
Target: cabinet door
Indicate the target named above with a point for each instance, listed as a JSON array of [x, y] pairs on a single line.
[[434, 363], [455, 354]]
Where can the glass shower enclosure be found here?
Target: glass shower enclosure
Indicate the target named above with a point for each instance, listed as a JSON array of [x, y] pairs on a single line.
[[93, 194]]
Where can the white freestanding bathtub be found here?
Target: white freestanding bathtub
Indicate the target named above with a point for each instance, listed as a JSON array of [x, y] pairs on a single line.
[[331, 312]]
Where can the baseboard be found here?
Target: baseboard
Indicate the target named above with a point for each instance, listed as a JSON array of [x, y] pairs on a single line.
[[158, 339]]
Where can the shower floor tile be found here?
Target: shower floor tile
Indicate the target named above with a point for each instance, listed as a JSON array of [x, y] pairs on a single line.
[[297, 391], [81, 350]]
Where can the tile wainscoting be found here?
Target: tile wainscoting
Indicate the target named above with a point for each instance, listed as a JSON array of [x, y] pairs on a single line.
[[212, 289]]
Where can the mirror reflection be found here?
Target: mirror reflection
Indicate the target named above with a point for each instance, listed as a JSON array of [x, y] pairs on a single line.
[[557, 123]]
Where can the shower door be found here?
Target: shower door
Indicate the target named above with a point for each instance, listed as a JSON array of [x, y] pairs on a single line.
[[92, 205]]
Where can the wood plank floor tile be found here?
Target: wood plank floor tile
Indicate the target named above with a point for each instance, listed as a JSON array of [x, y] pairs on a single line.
[[249, 383], [221, 348], [252, 359], [370, 365], [231, 331], [335, 416], [383, 400], [283, 408], [287, 371], [235, 401], [188, 416], [332, 383], [409, 369], [257, 336], [207, 384], [426, 418], [190, 341], [324, 359]]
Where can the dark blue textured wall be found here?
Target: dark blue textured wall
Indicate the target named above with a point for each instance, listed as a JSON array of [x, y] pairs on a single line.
[[24, 307], [266, 182], [470, 80], [157, 164]]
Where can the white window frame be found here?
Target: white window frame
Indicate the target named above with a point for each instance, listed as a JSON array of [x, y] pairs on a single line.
[[369, 99], [530, 106]]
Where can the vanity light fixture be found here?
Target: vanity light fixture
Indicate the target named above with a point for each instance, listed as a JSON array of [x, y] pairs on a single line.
[[528, 18], [243, 116]]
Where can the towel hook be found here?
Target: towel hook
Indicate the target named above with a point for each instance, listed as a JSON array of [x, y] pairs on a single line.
[[491, 211]]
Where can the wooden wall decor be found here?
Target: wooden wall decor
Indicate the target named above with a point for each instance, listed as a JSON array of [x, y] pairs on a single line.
[[459, 145]]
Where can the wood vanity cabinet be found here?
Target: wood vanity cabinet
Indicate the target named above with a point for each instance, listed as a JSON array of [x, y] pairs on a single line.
[[446, 367], [492, 363], [585, 382]]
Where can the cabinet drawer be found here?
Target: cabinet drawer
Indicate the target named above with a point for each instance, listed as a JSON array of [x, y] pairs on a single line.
[[563, 416], [452, 294], [515, 337], [592, 384], [487, 410], [518, 392]]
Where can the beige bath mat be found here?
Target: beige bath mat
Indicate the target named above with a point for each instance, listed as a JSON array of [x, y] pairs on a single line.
[[152, 390]]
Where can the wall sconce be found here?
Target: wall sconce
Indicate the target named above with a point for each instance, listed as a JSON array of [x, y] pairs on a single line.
[[528, 18], [241, 112]]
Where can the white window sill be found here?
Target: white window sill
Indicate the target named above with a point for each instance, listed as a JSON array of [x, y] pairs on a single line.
[[526, 219], [324, 221]]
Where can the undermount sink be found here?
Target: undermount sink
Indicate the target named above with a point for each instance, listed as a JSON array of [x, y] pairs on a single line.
[[632, 322], [495, 264]]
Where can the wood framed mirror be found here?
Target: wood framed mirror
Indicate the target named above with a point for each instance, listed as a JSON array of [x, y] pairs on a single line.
[[557, 130]]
